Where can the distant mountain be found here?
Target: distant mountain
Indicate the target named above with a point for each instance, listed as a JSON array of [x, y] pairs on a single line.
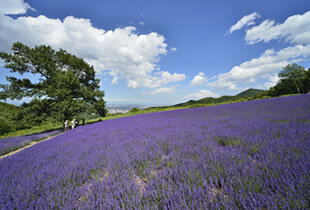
[[209, 100], [250, 92]]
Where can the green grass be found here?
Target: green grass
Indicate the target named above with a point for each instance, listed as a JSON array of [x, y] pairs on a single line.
[[128, 114], [293, 94], [33, 130], [228, 141]]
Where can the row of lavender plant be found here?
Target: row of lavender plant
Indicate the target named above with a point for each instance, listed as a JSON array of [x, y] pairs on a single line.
[[10, 144], [239, 156]]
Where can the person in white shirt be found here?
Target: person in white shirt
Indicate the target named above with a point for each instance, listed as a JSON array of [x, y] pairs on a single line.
[[73, 123], [66, 125]]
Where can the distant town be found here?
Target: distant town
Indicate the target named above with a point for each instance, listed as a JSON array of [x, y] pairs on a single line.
[[113, 109]]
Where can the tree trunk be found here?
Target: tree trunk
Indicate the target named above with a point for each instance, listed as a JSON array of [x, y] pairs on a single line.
[[297, 87]]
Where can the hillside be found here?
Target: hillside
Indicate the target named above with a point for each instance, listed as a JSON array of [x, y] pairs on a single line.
[[7, 114], [7, 110], [207, 158], [209, 100], [250, 92]]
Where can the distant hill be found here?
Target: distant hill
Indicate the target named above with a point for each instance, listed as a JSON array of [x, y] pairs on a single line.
[[209, 100], [7, 110], [250, 92], [7, 115]]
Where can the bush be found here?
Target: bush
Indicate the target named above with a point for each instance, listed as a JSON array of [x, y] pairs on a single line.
[[135, 109], [6, 126]]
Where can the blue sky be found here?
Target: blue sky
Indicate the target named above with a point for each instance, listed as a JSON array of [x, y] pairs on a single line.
[[167, 52]]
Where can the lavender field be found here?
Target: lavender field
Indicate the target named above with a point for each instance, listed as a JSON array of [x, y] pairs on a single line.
[[240, 156], [10, 144]]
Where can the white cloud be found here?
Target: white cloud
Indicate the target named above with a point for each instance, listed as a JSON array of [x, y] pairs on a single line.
[[267, 65], [141, 23], [166, 90], [166, 77], [155, 80], [198, 79], [271, 81], [122, 53], [202, 94], [14, 7], [173, 49], [245, 21], [295, 29]]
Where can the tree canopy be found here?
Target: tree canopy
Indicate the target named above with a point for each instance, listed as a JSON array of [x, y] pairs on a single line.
[[67, 84], [293, 79]]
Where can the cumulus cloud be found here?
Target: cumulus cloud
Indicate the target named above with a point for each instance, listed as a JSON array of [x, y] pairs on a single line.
[[271, 81], [155, 80], [14, 7], [202, 94], [295, 29], [121, 53], [166, 90], [269, 63], [244, 21], [198, 79]]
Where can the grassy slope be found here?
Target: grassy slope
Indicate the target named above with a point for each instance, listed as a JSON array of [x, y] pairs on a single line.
[[249, 94], [245, 95], [8, 111], [34, 130]]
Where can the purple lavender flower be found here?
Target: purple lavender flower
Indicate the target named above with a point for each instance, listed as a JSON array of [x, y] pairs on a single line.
[[243, 155], [9, 144]]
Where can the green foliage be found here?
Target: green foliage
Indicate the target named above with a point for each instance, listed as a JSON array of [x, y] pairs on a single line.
[[140, 166], [254, 149], [6, 126], [294, 74], [100, 107], [8, 113], [249, 94], [67, 83], [46, 126], [228, 141], [135, 109], [33, 113], [293, 79], [306, 81]]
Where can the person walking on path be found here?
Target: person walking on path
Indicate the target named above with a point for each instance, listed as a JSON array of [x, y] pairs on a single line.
[[66, 125], [73, 123]]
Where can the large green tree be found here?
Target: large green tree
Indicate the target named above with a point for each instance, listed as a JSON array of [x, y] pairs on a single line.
[[293, 79], [306, 81], [67, 84], [294, 74]]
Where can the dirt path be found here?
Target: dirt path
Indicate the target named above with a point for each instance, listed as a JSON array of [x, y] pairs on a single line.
[[30, 145]]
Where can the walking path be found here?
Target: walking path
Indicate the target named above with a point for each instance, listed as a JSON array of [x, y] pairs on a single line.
[[30, 145]]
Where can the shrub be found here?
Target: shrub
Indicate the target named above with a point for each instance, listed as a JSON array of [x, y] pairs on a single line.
[[135, 109], [6, 126]]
